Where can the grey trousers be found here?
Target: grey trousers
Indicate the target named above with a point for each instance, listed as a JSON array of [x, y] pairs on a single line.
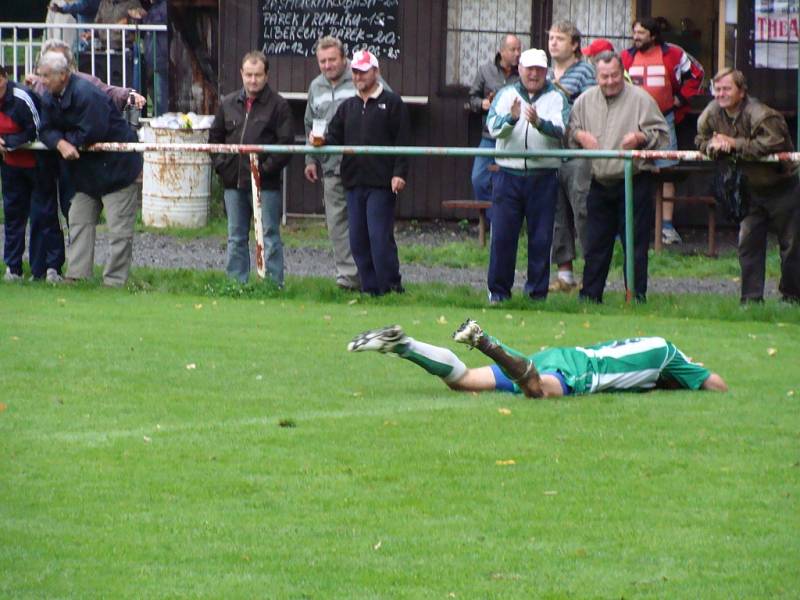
[[777, 211], [120, 207], [338, 232], [574, 179]]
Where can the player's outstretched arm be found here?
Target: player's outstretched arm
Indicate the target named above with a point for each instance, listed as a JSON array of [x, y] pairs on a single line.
[[715, 383]]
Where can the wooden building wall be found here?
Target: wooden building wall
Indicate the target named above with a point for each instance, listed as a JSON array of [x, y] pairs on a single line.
[[418, 72]]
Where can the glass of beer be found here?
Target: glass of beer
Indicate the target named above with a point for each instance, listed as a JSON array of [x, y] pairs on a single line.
[[318, 128]]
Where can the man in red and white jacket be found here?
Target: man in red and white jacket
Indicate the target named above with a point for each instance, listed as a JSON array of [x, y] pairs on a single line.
[[671, 77]]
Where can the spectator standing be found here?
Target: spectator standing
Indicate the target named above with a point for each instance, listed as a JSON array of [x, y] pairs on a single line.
[[326, 93], [491, 76], [117, 12], [254, 114], [529, 115], [156, 57], [83, 11], [25, 191], [616, 115], [118, 95], [373, 117], [573, 76], [734, 124], [77, 114], [671, 78]]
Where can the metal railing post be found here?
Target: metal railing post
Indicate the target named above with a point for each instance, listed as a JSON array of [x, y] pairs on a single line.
[[629, 278], [154, 60]]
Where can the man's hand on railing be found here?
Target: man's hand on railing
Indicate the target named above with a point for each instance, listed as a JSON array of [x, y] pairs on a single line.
[[721, 143], [587, 140], [633, 140], [67, 150]]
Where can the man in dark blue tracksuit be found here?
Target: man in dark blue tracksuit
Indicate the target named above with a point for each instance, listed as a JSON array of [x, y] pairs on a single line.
[[26, 193], [376, 117]]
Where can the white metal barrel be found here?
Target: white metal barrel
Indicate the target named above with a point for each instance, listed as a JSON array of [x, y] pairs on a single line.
[[176, 186]]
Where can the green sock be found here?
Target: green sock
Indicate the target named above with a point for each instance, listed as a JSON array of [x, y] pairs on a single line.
[[434, 359]]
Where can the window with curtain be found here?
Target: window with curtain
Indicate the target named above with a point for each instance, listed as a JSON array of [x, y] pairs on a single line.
[[475, 29], [609, 19]]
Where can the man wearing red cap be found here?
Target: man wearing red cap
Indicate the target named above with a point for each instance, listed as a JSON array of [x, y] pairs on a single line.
[[373, 117]]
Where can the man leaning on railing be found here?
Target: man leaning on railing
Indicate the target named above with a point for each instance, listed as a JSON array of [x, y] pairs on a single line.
[[77, 114], [736, 125]]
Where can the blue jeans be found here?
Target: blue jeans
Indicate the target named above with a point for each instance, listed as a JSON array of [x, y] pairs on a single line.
[[370, 215], [481, 175], [517, 197], [239, 206]]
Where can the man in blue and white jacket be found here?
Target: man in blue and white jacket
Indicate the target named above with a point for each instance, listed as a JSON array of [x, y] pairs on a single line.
[[529, 115]]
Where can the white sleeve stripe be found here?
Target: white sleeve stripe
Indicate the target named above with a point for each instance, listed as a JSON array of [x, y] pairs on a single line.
[[25, 97]]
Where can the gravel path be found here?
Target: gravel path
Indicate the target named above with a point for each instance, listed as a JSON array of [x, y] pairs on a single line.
[[161, 251], [165, 251]]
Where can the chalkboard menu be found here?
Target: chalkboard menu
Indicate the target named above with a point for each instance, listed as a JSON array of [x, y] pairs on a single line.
[[292, 27]]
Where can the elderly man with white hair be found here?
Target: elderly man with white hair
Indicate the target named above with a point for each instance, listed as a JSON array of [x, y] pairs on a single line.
[[77, 114], [529, 115]]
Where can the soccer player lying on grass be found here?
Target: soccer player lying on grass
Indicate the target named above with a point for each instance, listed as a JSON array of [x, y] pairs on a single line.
[[636, 364]]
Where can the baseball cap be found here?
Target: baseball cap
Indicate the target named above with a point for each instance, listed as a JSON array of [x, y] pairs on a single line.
[[363, 60], [533, 57], [598, 46]]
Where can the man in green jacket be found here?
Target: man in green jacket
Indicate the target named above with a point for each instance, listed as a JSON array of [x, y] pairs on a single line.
[[736, 125]]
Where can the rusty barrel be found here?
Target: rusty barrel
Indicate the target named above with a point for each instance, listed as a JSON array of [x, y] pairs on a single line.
[[176, 186]]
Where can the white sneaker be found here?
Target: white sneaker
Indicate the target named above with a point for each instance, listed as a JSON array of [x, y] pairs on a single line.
[[11, 277], [384, 339], [469, 333], [670, 235], [53, 277]]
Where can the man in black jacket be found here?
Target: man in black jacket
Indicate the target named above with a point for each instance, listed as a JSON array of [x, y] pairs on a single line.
[[77, 114], [375, 117], [253, 115]]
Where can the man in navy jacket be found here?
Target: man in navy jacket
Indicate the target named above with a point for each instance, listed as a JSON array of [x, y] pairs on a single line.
[[375, 117], [25, 190], [77, 114]]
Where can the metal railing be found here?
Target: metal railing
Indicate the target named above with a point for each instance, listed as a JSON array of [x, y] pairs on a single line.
[[23, 50], [253, 150]]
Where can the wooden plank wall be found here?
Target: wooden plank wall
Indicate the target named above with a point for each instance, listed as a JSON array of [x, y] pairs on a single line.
[[418, 72]]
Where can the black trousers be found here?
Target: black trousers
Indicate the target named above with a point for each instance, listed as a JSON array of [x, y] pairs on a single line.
[[776, 210], [606, 219]]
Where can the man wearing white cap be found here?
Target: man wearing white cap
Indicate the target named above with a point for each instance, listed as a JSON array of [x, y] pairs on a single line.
[[529, 115], [373, 117]]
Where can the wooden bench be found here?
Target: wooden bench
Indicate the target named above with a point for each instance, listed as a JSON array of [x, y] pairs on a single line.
[[711, 205], [677, 173], [480, 206]]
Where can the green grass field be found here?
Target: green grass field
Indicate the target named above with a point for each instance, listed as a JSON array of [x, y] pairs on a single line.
[[143, 452]]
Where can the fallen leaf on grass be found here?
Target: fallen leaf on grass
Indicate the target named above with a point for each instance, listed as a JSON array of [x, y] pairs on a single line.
[[191, 366], [147, 440], [377, 546], [790, 393], [259, 377], [14, 338], [772, 351], [551, 493], [505, 463], [353, 301], [3, 406], [326, 317], [504, 411], [586, 325], [287, 423], [441, 320], [198, 306], [509, 316]]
